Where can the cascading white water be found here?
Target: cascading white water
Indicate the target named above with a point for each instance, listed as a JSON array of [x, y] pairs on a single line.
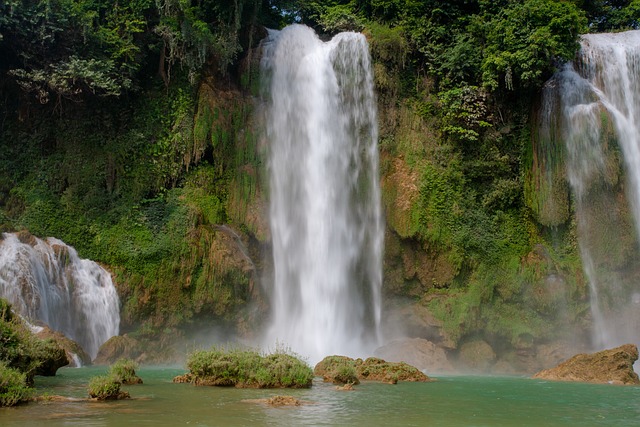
[[602, 86], [47, 281], [325, 212]]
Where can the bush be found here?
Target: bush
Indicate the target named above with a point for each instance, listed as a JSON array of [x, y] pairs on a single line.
[[106, 387], [247, 368], [13, 386], [124, 372]]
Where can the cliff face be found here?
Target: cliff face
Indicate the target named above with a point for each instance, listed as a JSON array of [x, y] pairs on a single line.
[[166, 185]]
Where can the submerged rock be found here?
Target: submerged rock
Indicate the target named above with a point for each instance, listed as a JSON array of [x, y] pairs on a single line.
[[373, 369], [614, 366]]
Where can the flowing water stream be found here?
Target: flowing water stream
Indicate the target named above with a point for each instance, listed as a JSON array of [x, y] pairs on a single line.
[[594, 102], [46, 281], [325, 212]]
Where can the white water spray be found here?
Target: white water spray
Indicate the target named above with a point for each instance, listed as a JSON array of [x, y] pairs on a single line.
[[325, 212], [602, 86], [47, 281]]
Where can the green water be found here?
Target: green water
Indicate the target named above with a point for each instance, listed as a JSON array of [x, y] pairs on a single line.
[[450, 401]]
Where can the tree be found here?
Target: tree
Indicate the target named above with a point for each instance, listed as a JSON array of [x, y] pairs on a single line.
[[527, 39]]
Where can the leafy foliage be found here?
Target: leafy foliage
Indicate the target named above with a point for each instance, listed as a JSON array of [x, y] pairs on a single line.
[[524, 41], [13, 386]]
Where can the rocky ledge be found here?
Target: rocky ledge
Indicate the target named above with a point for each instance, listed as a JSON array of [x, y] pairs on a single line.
[[344, 370], [614, 366]]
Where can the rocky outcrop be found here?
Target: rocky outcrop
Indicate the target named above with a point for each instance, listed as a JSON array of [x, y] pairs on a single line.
[[75, 355], [118, 347], [372, 369], [418, 352], [614, 366]]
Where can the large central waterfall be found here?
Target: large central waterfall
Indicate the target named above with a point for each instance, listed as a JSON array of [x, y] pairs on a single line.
[[593, 105], [46, 281], [325, 212]]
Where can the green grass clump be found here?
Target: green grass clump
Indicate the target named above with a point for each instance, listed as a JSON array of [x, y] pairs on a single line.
[[248, 368], [13, 386], [106, 387], [124, 372]]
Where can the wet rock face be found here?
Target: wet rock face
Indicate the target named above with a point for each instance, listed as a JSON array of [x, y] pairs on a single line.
[[418, 352], [614, 366]]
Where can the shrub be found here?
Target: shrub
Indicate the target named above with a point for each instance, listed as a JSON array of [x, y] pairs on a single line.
[[247, 368], [13, 386], [106, 387], [124, 372]]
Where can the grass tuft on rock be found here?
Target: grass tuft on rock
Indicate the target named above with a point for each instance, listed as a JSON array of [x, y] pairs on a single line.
[[124, 371], [246, 369], [106, 387]]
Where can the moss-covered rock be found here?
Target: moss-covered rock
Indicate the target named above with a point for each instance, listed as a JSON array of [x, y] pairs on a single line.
[[73, 351], [614, 366], [332, 368]]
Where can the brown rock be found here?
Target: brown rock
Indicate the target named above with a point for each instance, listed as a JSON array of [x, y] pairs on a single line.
[[614, 366], [418, 352], [372, 369]]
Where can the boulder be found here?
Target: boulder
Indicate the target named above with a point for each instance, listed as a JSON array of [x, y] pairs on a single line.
[[477, 356], [53, 357], [372, 369], [614, 366], [74, 353], [119, 347], [418, 352]]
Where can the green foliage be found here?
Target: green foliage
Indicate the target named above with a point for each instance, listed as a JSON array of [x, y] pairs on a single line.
[[248, 368], [524, 40], [67, 48], [607, 15], [105, 387], [13, 386], [338, 18], [124, 372], [465, 113]]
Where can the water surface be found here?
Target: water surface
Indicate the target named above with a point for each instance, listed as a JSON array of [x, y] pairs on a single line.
[[450, 401]]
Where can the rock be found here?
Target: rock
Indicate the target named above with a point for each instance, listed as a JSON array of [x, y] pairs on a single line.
[[53, 358], [75, 354], [614, 366], [337, 369], [477, 356], [418, 352], [372, 369], [278, 401], [119, 347]]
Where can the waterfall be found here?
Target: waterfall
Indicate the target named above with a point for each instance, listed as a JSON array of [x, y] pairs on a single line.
[[48, 282], [325, 209], [594, 103]]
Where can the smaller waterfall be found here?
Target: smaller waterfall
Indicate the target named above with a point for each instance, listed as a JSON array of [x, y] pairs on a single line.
[[594, 105], [48, 282]]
